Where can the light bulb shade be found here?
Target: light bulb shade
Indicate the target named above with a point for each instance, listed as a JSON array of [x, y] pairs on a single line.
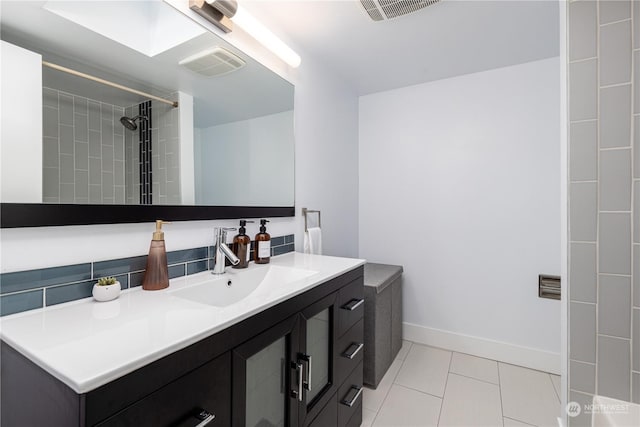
[[259, 32], [219, 12]]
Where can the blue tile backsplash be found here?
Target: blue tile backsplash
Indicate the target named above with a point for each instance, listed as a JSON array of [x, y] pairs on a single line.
[[23, 280], [27, 290], [23, 301]]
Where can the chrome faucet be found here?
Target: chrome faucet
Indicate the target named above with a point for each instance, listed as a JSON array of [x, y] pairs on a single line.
[[222, 250]]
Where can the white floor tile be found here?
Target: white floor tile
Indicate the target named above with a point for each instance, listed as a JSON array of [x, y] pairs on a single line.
[[470, 402], [528, 396], [475, 367], [405, 407], [555, 379], [425, 369], [367, 417], [402, 354], [508, 422], [372, 399]]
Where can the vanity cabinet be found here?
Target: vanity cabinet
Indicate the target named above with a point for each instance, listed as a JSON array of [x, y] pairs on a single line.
[[298, 363]]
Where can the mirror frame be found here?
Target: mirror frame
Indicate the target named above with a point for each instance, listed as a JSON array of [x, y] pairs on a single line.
[[17, 215]]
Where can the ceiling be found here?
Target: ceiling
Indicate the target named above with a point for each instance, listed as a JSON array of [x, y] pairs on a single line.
[[447, 39]]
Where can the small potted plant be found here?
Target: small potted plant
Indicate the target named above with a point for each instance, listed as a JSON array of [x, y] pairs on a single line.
[[106, 289]]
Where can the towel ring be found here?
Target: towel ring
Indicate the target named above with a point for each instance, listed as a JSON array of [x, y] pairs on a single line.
[[305, 212]]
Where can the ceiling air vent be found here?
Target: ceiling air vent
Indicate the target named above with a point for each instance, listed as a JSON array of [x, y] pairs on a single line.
[[213, 62], [381, 10]]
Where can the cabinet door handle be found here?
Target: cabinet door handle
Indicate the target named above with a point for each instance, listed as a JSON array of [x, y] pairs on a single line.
[[306, 358], [204, 417], [351, 354], [350, 402], [353, 304], [299, 374]]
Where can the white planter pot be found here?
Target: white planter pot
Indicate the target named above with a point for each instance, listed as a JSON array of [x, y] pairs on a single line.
[[106, 293]]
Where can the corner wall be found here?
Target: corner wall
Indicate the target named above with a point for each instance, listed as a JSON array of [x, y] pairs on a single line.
[[459, 184]]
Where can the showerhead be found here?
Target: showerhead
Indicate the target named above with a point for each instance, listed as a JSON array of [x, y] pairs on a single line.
[[130, 123]]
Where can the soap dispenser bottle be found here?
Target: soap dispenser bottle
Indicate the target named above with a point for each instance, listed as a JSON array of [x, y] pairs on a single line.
[[156, 275], [262, 251], [242, 245]]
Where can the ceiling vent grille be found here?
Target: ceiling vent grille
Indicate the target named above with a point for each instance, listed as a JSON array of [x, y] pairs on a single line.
[[213, 62], [381, 10]]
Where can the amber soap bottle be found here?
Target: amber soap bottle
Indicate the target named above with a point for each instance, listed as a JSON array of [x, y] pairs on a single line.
[[242, 245], [262, 251], [156, 275]]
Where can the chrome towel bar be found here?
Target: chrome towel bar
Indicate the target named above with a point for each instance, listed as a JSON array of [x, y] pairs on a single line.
[[305, 212]]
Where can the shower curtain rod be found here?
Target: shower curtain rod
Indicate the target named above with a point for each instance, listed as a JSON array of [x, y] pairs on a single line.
[[108, 83]]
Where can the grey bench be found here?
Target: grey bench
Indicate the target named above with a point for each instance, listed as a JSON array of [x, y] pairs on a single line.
[[382, 319]]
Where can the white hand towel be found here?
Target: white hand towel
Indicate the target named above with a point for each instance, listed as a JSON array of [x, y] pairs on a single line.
[[313, 241]]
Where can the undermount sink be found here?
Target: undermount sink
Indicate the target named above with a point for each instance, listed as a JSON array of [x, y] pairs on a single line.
[[236, 285]]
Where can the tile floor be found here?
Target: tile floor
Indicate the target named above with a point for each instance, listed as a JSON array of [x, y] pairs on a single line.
[[427, 386]]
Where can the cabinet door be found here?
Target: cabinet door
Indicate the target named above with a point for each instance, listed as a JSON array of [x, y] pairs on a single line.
[[317, 355], [267, 379]]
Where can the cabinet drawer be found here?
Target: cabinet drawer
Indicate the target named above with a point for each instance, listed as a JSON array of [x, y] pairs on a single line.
[[356, 418], [328, 417], [206, 388], [350, 349], [350, 305], [350, 397]]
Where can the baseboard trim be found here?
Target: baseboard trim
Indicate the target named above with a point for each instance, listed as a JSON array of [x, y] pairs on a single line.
[[503, 352]]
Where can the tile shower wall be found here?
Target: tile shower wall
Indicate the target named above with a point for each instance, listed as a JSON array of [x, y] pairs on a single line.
[[27, 290], [604, 201], [83, 150], [165, 158], [132, 161], [166, 154]]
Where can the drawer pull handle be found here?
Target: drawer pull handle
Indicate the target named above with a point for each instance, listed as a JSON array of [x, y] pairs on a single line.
[[350, 354], [350, 402], [353, 304], [204, 417]]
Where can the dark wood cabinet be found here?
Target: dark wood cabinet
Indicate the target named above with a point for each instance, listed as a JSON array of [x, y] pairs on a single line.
[[295, 364]]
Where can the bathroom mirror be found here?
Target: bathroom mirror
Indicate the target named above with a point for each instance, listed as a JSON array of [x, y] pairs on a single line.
[[226, 151]]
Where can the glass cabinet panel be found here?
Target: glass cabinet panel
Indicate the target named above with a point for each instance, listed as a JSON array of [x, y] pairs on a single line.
[[266, 387], [319, 348]]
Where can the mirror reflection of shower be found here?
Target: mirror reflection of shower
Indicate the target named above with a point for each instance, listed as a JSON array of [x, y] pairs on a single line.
[[130, 123]]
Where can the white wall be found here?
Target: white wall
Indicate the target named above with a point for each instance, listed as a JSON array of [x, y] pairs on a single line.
[[187, 183], [459, 184], [326, 126], [21, 108], [259, 162]]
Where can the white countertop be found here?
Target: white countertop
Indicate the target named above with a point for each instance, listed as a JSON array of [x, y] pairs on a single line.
[[87, 344]]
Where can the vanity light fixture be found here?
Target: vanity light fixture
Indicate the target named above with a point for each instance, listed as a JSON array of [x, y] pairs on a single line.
[[224, 13], [217, 12]]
